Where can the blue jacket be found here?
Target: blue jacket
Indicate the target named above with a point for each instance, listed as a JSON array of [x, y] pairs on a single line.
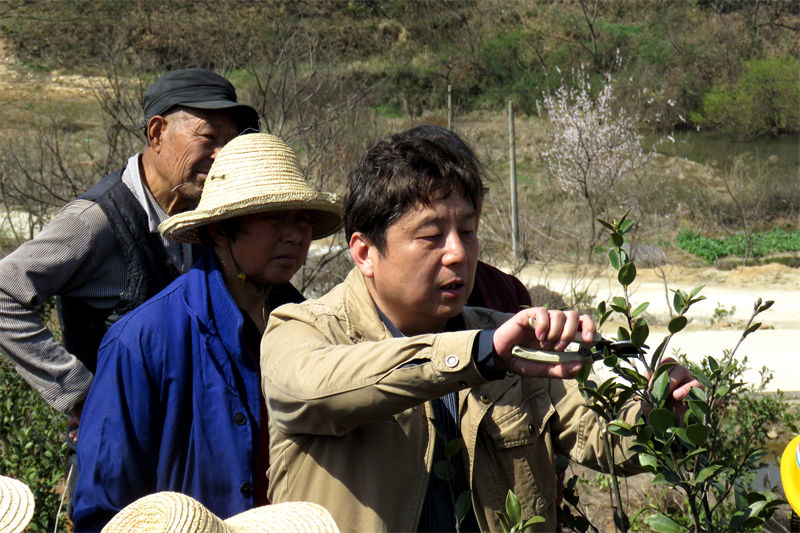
[[174, 405]]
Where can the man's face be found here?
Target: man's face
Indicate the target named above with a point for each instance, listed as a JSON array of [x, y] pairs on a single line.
[[188, 143], [427, 269]]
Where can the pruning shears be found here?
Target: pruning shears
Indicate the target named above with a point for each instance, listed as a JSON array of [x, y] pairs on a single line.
[[587, 352]]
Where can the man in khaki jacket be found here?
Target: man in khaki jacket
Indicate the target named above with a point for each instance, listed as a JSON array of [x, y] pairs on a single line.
[[393, 405]]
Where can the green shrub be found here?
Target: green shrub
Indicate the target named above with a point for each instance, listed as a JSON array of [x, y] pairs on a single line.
[[707, 448], [32, 446], [764, 101]]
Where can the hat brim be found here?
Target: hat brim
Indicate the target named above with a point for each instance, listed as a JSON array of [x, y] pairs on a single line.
[[16, 505], [326, 218]]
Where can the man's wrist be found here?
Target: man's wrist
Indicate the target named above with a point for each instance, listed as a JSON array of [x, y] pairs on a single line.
[[484, 356]]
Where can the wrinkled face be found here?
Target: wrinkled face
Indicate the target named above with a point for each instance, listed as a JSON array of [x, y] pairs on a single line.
[[188, 144], [271, 247], [427, 269]]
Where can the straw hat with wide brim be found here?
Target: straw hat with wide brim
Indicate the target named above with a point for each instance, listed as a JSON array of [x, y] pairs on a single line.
[[254, 173], [178, 513], [16, 505]]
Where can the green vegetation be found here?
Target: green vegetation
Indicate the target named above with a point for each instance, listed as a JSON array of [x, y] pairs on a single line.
[[763, 101], [407, 52], [32, 446], [761, 244], [708, 453]]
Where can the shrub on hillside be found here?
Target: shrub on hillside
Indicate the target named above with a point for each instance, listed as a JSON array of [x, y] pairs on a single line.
[[764, 101]]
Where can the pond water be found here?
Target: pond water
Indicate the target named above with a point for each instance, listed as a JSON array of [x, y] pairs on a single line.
[[708, 148]]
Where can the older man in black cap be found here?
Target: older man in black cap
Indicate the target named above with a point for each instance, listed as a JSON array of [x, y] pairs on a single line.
[[102, 255]]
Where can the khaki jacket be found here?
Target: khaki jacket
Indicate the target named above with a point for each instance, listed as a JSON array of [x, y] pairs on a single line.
[[350, 421]]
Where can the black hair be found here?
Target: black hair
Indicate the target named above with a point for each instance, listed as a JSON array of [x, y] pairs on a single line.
[[229, 227], [404, 170]]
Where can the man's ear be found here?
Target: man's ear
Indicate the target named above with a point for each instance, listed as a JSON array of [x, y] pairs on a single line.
[[155, 129], [361, 250]]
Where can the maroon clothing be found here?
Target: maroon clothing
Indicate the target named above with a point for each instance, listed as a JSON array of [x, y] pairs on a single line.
[[497, 290]]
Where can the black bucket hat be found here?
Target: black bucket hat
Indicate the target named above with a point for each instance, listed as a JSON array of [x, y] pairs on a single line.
[[197, 88]]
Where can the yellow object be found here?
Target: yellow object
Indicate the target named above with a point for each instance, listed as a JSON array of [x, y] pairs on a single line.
[[790, 473]]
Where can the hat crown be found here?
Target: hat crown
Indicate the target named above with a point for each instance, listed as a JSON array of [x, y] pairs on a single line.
[[252, 166], [255, 173], [197, 88]]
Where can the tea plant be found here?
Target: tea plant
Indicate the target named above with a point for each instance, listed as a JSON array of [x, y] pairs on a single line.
[[512, 520], [683, 444], [32, 446]]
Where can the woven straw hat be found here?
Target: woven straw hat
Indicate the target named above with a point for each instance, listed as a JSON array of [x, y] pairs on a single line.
[[16, 505], [254, 173], [178, 513]]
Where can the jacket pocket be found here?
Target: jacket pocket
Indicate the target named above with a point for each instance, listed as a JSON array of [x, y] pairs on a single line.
[[519, 416]]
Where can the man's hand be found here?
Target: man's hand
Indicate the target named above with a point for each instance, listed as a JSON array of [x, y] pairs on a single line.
[[74, 420], [554, 330], [681, 382]]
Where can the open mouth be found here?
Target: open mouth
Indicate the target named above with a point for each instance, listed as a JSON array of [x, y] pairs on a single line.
[[452, 286]]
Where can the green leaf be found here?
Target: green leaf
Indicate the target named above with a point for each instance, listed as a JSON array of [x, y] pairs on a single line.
[[503, 521], [625, 226], [610, 360], [707, 473], [751, 329], [623, 335], [757, 507], [678, 301], [661, 419], [643, 433], [530, 521], [583, 373], [512, 507], [699, 409], [639, 334], [562, 463], [605, 224], [443, 470], [663, 524], [613, 258], [634, 377], [452, 448], [621, 519], [660, 390], [620, 302], [639, 310], [762, 308], [617, 240], [698, 393], [677, 324], [463, 502], [695, 291], [627, 273], [620, 429], [648, 461]]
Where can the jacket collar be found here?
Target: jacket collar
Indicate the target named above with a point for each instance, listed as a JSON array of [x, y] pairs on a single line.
[[360, 315]]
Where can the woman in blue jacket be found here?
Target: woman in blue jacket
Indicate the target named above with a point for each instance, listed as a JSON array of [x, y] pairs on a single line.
[[176, 404]]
